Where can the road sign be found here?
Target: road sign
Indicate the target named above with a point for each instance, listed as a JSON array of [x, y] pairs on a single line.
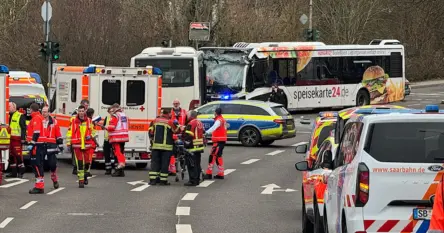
[[303, 19], [199, 31], [140, 188], [270, 188], [46, 11]]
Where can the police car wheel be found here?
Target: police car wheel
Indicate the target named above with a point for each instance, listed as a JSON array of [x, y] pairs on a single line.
[[141, 165], [249, 136]]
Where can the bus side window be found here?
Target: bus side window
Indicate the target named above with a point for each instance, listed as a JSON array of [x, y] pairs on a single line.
[[73, 90], [111, 91]]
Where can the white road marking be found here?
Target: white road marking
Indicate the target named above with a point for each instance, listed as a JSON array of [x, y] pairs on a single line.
[[5, 222], [18, 181], [228, 171], [273, 153], [88, 178], [183, 228], [55, 191], [189, 197], [303, 132], [83, 214], [250, 161], [143, 186], [180, 210], [299, 143], [205, 183], [28, 205]]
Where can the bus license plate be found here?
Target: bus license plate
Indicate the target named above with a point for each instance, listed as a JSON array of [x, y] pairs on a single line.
[[422, 214]]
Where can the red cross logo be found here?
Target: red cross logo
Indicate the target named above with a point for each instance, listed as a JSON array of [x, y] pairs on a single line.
[[142, 108]]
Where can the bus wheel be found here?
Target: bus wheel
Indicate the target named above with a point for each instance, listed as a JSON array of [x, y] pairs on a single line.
[[362, 98], [249, 136]]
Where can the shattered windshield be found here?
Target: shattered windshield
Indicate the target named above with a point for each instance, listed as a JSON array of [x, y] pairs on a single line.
[[224, 71]]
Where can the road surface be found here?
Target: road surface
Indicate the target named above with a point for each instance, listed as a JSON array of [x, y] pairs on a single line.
[[261, 193]]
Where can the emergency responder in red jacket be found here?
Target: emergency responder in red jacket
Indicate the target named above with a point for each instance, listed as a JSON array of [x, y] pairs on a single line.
[[54, 143], [193, 140], [81, 141], [161, 132], [17, 122], [36, 139], [219, 138], [118, 135], [90, 114], [437, 220], [84, 103], [180, 115]]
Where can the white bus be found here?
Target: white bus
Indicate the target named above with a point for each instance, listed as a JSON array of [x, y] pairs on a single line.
[[180, 73], [311, 75]]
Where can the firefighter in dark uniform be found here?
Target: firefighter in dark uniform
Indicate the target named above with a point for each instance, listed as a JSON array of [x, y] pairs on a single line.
[[161, 132], [193, 139]]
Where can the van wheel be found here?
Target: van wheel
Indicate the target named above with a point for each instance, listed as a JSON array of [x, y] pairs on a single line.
[[307, 225], [318, 225], [267, 143], [249, 136], [141, 165], [362, 98]]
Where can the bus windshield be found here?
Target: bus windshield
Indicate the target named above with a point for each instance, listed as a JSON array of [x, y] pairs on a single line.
[[224, 72], [175, 72]]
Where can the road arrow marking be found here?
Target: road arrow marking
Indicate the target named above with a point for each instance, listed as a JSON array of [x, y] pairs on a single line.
[[300, 143], [18, 181], [270, 188], [140, 188]]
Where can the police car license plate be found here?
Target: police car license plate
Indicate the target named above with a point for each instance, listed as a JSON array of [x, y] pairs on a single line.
[[422, 214]]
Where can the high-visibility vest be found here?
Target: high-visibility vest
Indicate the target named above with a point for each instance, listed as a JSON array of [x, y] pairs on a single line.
[[437, 221], [120, 131], [162, 134], [107, 119], [195, 129], [16, 130], [220, 134], [81, 130], [69, 132]]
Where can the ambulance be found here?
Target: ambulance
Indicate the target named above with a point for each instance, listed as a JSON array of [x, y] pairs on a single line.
[[137, 90], [4, 113]]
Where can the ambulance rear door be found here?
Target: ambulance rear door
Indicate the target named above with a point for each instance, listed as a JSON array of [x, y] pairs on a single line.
[[137, 94], [69, 84]]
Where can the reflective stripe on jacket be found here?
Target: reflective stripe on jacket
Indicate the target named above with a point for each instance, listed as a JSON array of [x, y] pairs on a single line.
[[69, 132], [118, 128], [52, 131], [162, 131], [35, 132], [81, 129], [195, 130], [107, 119], [16, 130], [220, 134]]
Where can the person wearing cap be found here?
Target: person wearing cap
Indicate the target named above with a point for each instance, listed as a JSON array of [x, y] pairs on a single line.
[[219, 138], [118, 134], [180, 115], [161, 132], [84, 103]]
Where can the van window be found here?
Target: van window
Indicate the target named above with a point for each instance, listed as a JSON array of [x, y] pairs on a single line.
[[349, 143], [406, 142], [251, 110], [73, 90], [135, 92], [325, 132], [111, 91]]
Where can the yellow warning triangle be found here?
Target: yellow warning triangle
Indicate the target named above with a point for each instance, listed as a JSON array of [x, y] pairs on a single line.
[[4, 133]]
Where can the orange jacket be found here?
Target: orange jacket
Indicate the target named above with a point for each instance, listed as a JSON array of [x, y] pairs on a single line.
[[52, 131], [220, 134], [437, 221], [35, 131], [118, 128], [81, 133], [182, 118]]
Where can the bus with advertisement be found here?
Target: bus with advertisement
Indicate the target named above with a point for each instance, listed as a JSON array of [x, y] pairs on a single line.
[[180, 68], [311, 75]]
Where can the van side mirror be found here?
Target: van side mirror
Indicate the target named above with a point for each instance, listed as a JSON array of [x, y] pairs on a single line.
[[327, 159], [301, 149], [302, 166]]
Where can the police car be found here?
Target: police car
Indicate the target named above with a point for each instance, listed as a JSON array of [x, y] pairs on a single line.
[[250, 122], [385, 173]]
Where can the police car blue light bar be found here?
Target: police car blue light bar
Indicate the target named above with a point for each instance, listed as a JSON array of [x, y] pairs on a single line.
[[89, 70], [226, 97], [36, 77], [328, 114], [157, 71], [4, 69], [432, 108]]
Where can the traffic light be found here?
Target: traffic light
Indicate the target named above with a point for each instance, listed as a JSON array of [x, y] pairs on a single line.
[[44, 52], [311, 35], [55, 51], [316, 35]]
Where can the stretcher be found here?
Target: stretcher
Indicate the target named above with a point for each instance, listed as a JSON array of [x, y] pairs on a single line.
[[183, 156]]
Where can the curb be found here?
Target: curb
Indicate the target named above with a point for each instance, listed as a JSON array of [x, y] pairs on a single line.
[[427, 84]]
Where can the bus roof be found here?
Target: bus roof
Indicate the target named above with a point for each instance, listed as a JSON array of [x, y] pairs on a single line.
[[163, 51]]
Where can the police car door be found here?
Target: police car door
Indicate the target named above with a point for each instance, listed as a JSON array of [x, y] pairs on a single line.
[[206, 115]]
